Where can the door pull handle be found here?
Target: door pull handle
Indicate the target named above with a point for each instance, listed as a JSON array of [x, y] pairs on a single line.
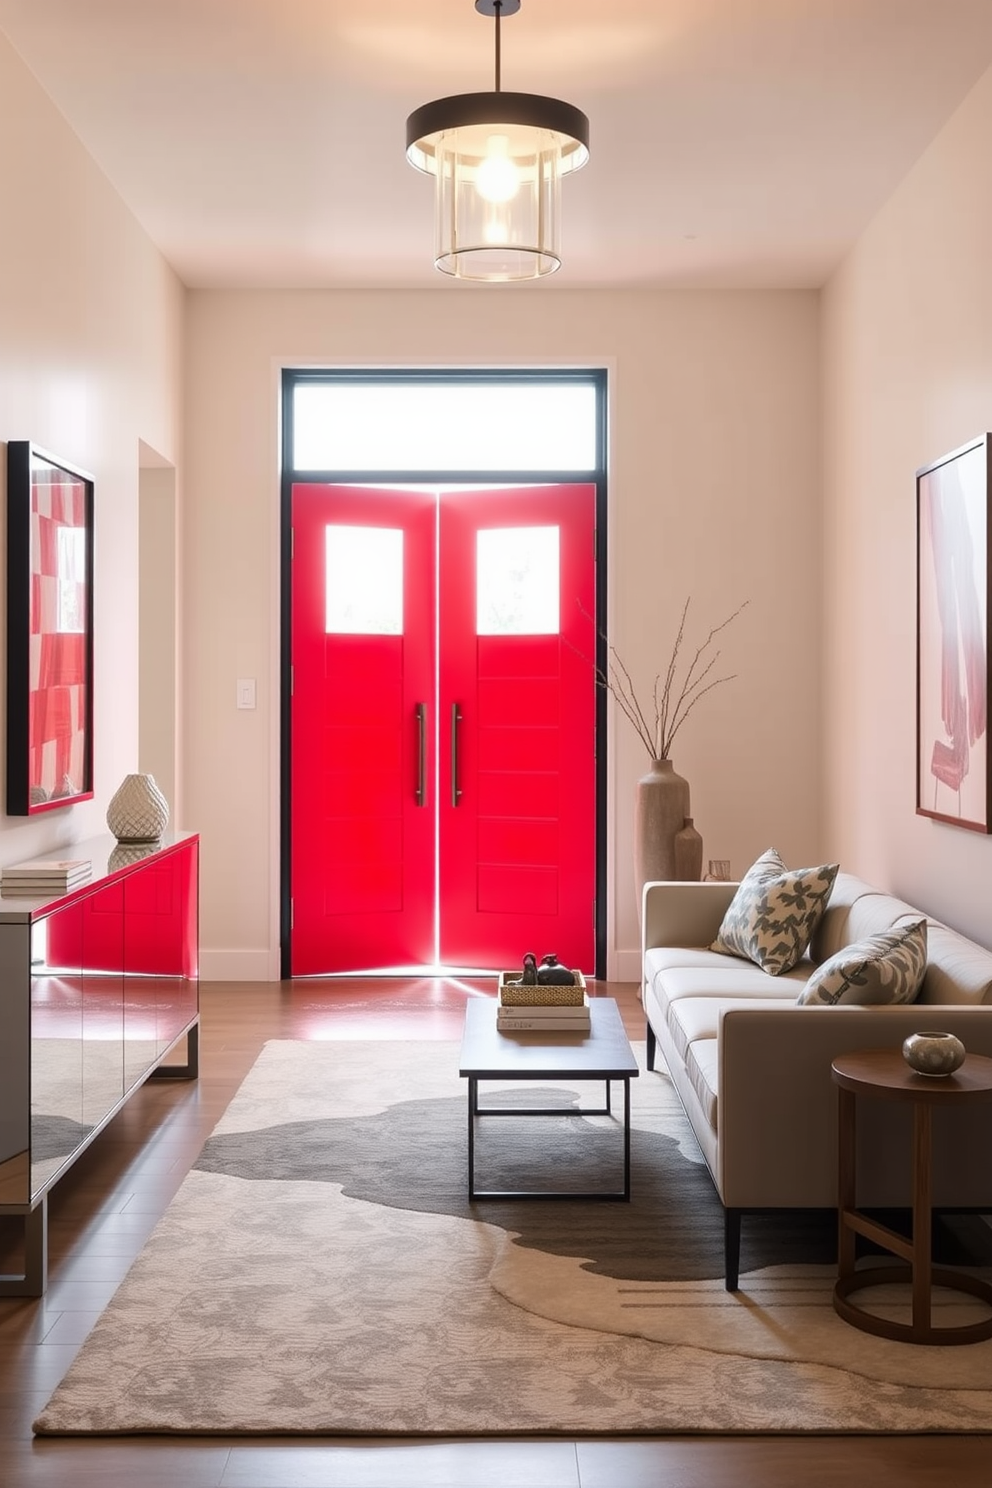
[[420, 794], [456, 718]]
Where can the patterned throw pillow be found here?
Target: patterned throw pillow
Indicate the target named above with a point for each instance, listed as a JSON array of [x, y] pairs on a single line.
[[774, 912], [887, 967]]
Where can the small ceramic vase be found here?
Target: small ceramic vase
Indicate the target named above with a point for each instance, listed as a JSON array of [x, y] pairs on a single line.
[[138, 811], [933, 1053], [688, 853]]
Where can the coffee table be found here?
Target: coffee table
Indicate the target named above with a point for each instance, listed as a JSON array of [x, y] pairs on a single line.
[[604, 1053]]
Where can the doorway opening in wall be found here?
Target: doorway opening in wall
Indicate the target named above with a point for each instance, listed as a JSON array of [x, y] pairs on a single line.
[[157, 623], [443, 612]]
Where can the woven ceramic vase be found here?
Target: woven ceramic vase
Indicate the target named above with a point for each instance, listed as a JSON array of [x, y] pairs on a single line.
[[138, 811]]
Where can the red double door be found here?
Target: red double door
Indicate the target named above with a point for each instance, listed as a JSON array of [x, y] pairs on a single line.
[[442, 726]]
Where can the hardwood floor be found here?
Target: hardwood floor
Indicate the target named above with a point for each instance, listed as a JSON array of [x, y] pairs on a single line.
[[103, 1210]]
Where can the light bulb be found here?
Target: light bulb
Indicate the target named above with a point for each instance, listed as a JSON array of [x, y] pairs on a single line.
[[494, 229], [497, 179]]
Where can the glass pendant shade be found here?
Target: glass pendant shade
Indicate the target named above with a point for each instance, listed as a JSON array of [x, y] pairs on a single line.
[[498, 159]]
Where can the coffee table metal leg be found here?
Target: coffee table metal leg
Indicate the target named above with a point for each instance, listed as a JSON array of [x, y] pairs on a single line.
[[626, 1139], [473, 1107], [474, 1113]]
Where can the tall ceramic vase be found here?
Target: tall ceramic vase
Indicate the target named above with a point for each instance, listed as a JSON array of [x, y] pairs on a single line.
[[660, 810]]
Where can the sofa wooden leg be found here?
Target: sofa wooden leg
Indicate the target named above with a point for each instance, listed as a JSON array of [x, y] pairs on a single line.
[[652, 1047], [732, 1247]]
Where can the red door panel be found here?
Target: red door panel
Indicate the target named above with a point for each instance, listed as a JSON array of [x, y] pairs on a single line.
[[527, 796], [509, 839], [362, 859], [517, 744]]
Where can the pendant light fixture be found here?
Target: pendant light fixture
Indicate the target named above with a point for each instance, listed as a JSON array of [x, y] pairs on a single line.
[[498, 159]]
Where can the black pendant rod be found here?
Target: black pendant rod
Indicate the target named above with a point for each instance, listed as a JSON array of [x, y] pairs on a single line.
[[497, 9]]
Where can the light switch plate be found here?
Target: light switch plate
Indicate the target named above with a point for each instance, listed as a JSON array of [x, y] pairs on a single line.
[[246, 692]]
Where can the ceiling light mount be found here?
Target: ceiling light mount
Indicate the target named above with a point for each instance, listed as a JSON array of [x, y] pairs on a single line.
[[498, 9], [498, 159]]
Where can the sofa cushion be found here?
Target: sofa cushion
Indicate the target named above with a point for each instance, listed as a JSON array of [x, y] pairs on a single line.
[[774, 912], [958, 970], [883, 968], [702, 1066], [870, 915], [686, 958], [833, 930], [730, 979], [693, 1018]]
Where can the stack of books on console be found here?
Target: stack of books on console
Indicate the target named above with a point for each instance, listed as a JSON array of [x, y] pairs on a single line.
[[41, 878], [522, 1008]]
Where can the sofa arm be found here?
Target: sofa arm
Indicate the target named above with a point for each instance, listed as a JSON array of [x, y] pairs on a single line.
[[683, 914], [777, 1107]]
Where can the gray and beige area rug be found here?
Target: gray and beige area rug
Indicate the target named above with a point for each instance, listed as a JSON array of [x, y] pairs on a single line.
[[320, 1271]]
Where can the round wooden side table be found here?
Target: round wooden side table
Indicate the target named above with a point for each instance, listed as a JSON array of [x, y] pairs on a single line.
[[883, 1074]]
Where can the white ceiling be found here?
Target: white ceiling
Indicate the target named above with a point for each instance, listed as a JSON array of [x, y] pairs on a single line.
[[733, 142]]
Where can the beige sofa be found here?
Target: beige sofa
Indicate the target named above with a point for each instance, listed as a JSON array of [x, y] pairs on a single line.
[[752, 1068]]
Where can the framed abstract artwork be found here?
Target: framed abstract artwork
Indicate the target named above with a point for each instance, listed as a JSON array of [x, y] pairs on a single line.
[[49, 631], [952, 652]]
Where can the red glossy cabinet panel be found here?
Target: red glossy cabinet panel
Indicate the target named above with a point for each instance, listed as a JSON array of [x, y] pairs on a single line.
[[120, 969], [142, 922]]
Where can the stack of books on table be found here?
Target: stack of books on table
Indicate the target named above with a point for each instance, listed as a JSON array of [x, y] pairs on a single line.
[[542, 1009], [41, 878]]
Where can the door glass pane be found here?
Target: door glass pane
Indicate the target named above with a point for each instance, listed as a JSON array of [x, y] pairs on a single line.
[[505, 425], [363, 589], [517, 581]]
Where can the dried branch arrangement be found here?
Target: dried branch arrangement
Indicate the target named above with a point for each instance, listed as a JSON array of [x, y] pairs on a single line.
[[672, 701]]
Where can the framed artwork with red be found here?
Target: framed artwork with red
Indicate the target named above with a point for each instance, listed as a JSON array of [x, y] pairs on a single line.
[[952, 653], [49, 631]]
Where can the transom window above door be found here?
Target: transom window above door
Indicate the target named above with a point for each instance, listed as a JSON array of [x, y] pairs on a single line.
[[443, 425]]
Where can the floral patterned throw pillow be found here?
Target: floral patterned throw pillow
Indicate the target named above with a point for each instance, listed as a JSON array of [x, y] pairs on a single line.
[[774, 912], [886, 967]]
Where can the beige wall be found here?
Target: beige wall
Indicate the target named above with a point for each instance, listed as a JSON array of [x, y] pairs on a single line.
[[907, 378], [90, 362], [714, 490]]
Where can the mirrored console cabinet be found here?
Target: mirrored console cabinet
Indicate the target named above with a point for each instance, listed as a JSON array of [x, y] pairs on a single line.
[[97, 988]]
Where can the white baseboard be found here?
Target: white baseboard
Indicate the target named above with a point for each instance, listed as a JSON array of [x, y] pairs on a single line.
[[239, 966]]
